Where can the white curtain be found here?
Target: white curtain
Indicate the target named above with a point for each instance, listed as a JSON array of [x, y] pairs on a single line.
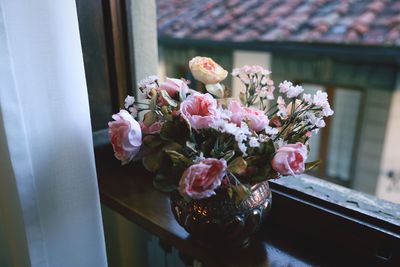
[[49, 203]]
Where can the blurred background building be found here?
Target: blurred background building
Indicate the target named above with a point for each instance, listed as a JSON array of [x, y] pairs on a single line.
[[348, 48]]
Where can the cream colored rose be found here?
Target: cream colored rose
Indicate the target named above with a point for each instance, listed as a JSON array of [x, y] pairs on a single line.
[[205, 70]]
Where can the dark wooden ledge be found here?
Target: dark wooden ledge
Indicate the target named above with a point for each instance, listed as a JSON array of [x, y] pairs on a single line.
[[128, 191]]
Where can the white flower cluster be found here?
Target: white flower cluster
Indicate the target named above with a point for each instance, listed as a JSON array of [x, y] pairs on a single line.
[[321, 100], [250, 70], [266, 88], [129, 105], [148, 83], [309, 110], [256, 76], [241, 134], [290, 90], [129, 101], [271, 131], [314, 120]]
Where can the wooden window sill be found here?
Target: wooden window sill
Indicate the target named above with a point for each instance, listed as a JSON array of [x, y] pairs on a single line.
[[128, 191]]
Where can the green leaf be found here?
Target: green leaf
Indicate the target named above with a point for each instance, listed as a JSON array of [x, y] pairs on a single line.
[[149, 118], [167, 131], [161, 183], [175, 132], [152, 141], [238, 166], [241, 193], [178, 159], [167, 98], [153, 100], [228, 155], [230, 192], [172, 146], [253, 160], [267, 148], [311, 165], [152, 162]]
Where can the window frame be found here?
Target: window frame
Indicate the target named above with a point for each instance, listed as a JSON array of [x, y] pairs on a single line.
[[316, 215]]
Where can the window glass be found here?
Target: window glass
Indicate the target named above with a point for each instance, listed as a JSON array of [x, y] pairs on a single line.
[[342, 133]]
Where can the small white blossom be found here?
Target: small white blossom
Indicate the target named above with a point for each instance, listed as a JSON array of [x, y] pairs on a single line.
[[250, 71], [220, 125], [149, 81], [264, 80], [240, 137], [320, 123], [314, 120], [281, 102], [231, 128], [262, 92], [263, 138], [242, 148], [307, 98], [244, 78], [253, 142], [244, 128], [294, 91], [259, 69], [271, 130], [129, 100], [285, 86], [326, 110], [224, 113], [265, 72], [235, 72], [133, 111], [270, 92], [246, 69], [320, 99]]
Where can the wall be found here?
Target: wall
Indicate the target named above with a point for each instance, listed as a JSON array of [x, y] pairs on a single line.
[[375, 114], [389, 186]]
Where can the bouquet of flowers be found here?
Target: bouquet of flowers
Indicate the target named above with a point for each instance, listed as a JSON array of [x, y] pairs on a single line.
[[200, 142]]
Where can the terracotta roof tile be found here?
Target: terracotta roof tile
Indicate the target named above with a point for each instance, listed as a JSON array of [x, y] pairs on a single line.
[[375, 22]]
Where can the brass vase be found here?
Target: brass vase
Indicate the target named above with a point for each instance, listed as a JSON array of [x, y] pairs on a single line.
[[219, 220]]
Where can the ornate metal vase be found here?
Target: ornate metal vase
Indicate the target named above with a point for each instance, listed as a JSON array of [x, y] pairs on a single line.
[[219, 220]]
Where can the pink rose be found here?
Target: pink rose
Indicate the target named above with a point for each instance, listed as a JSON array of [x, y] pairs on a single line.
[[256, 119], [290, 159], [199, 180], [154, 128], [199, 110], [173, 86], [125, 136]]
